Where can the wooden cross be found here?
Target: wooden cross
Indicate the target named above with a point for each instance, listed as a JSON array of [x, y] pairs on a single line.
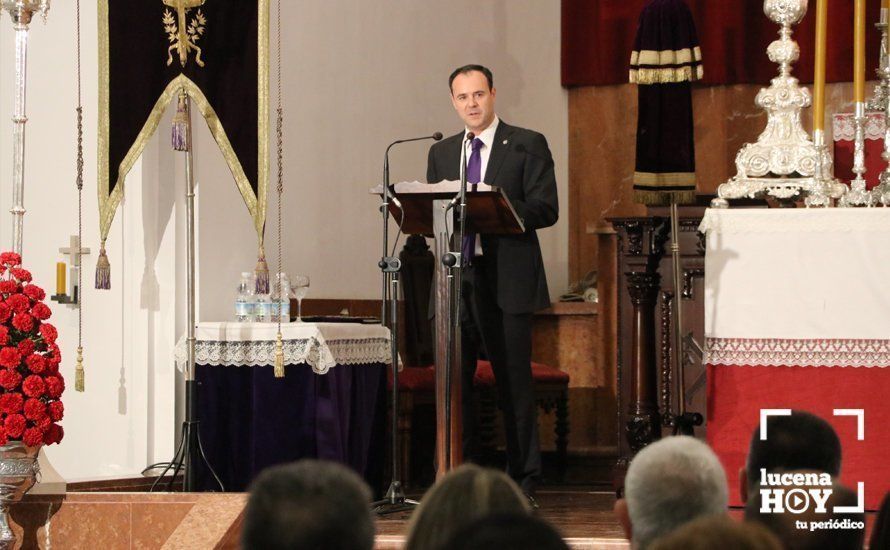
[[74, 250]]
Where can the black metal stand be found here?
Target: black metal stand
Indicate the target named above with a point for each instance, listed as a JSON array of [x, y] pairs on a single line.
[[189, 452], [395, 499]]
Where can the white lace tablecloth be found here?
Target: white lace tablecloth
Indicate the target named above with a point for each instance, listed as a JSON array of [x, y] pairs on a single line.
[[804, 287], [320, 345]]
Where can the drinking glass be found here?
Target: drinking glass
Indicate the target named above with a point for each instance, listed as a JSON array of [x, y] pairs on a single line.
[[300, 286]]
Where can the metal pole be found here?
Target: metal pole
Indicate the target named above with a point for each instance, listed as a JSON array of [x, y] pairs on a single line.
[[21, 17], [678, 310], [190, 397]]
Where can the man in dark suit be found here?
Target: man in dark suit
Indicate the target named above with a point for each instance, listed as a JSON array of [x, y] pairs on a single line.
[[504, 280]]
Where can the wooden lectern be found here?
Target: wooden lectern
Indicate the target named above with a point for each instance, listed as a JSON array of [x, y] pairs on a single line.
[[426, 211]]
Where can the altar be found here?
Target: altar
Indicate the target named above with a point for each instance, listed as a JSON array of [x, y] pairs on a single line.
[[330, 404], [797, 316]]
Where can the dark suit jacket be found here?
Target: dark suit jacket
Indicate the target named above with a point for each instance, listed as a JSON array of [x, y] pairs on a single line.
[[521, 164]]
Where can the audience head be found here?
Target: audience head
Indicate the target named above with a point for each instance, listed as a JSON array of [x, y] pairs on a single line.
[[808, 529], [668, 484], [880, 534], [513, 531], [712, 532], [801, 441], [464, 495], [305, 506]]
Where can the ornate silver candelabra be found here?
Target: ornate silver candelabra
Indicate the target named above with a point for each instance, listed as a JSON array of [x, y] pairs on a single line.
[[21, 12], [881, 102], [784, 162]]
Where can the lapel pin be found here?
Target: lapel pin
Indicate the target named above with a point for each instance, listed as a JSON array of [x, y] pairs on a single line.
[[505, 141]]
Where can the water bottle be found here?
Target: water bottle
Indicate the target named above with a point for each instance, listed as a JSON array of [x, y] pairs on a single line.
[[262, 309], [244, 299], [281, 304]]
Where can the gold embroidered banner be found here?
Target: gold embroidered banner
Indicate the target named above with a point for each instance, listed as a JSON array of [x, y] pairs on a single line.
[[214, 50]]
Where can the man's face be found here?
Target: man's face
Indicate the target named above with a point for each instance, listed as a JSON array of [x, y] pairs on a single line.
[[473, 100]]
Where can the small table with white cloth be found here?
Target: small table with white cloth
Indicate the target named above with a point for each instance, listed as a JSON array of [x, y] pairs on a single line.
[[330, 404]]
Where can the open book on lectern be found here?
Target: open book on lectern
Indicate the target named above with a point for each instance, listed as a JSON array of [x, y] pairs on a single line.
[[489, 210]]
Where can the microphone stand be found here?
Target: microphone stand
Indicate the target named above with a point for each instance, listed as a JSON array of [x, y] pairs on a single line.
[[454, 262], [394, 500]]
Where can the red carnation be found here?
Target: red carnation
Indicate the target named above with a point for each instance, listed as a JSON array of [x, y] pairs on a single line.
[[54, 434], [5, 312], [36, 363], [10, 379], [15, 425], [18, 303], [55, 385], [10, 357], [22, 275], [41, 311], [48, 332], [56, 410], [11, 403], [33, 386], [4, 335], [23, 321], [26, 347], [34, 292], [8, 287], [35, 410], [33, 437], [3, 439], [10, 259]]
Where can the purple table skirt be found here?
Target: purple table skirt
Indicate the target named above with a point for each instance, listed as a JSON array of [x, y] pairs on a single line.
[[251, 420]]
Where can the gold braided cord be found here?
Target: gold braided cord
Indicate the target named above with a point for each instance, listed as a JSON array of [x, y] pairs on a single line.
[[279, 140], [79, 382], [255, 202]]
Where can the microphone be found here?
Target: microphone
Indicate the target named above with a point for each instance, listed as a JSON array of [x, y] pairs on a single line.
[[387, 188]]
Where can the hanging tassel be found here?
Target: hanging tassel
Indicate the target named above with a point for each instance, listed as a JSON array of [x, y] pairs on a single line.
[[180, 135], [279, 357], [103, 269], [261, 271], [78, 371]]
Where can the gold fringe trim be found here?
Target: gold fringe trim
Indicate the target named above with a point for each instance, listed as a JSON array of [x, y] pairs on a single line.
[[663, 198], [279, 357], [256, 203], [78, 371], [664, 178], [666, 75], [665, 57]]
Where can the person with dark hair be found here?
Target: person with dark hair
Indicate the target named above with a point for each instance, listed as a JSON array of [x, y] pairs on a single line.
[[465, 494], [810, 528], [308, 505], [710, 532], [503, 278], [799, 441], [880, 534], [513, 531]]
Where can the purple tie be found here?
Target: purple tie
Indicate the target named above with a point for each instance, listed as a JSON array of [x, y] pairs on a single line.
[[474, 174]]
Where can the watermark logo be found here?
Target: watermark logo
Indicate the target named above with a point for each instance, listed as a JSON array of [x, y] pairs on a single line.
[[797, 493]]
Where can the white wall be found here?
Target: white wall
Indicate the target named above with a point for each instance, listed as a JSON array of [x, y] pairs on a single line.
[[357, 75]]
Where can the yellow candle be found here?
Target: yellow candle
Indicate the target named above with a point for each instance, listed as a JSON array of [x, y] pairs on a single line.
[[859, 51], [819, 73], [886, 4], [61, 287]]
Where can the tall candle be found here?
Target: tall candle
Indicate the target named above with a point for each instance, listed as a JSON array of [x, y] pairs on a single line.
[[819, 74], [61, 287], [859, 51]]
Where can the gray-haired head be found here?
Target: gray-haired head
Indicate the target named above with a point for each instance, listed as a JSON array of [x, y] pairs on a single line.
[[671, 482]]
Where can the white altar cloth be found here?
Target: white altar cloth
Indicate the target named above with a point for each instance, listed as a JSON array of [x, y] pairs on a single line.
[[320, 345], [803, 287]]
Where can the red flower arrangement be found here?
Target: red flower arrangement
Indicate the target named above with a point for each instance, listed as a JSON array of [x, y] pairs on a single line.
[[30, 383]]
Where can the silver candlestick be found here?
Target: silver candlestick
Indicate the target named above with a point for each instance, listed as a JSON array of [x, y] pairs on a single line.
[[783, 163], [858, 195], [881, 96], [21, 12]]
